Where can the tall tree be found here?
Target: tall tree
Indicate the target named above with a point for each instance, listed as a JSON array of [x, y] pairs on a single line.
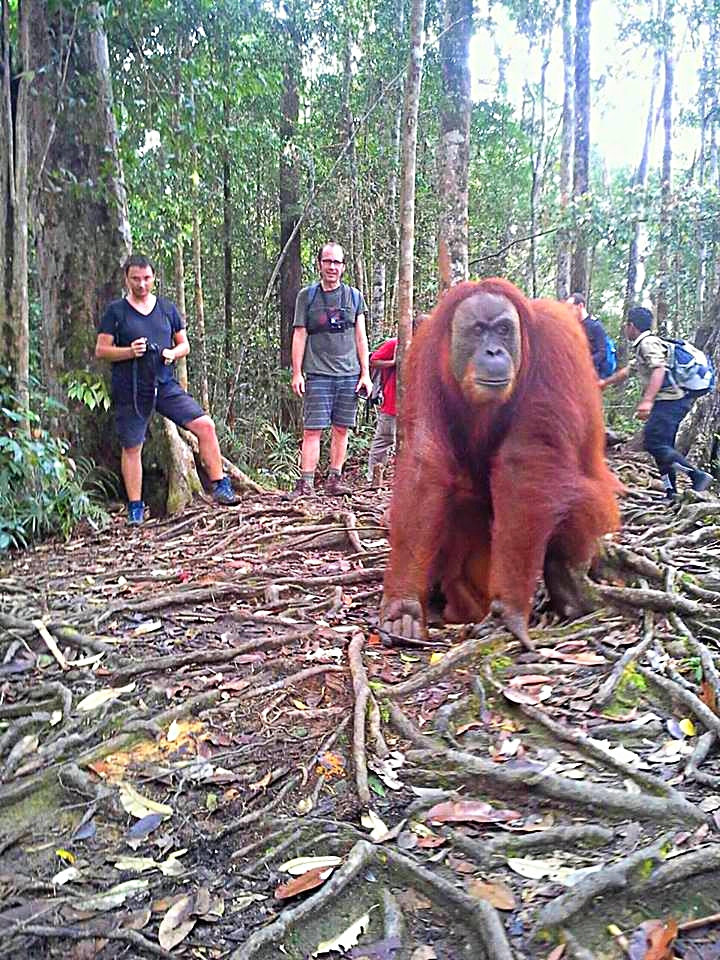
[[413, 81], [290, 201], [564, 241], [14, 301], [78, 201], [581, 164], [663, 249], [454, 144]]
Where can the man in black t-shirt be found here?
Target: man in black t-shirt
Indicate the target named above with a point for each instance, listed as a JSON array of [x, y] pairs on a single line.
[[142, 336], [594, 331]]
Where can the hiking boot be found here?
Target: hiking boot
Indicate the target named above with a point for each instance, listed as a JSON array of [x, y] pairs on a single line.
[[334, 487], [302, 488], [701, 480], [224, 494], [136, 513]]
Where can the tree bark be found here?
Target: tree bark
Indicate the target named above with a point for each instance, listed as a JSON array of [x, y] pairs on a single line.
[[290, 203], [663, 269], [199, 331], [581, 168], [454, 146], [564, 247], [407, 185], [77, 198], [636, 255], [14, 299]]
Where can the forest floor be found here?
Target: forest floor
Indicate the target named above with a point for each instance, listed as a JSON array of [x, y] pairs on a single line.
[[188, 707]]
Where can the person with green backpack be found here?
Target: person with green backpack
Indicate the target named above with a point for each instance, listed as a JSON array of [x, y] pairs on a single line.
[[674, 374]]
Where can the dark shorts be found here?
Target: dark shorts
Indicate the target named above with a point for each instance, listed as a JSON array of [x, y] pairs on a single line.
[[329, 400], [172, 402]]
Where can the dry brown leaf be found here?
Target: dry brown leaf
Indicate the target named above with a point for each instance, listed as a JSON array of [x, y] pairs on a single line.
[[177, 922], [529, 679], [497, 893], [475, 811], [661, 935], [306, 881], [707, 695]]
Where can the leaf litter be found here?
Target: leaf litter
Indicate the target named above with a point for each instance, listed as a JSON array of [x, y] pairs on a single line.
[[230, 756]]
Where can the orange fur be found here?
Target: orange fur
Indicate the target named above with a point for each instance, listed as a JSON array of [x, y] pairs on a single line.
[[488, 491]]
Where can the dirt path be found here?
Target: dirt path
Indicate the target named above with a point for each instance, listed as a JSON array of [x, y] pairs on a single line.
[[188, 707]]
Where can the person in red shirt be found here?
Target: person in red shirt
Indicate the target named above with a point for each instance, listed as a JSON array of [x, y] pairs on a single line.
[[383, 442]]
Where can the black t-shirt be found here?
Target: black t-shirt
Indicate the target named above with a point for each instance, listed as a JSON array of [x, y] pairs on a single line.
[[124, 324]]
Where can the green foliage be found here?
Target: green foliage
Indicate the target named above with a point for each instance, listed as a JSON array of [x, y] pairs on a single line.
[[87, 388], [280, 456], [43, 491]]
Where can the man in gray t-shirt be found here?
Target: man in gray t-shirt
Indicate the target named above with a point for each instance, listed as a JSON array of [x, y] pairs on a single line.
[[330, 366]]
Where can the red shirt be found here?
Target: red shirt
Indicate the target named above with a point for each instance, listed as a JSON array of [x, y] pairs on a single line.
[[386, 351]]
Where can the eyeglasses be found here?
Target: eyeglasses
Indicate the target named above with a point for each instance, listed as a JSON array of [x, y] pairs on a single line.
[[332, 263]]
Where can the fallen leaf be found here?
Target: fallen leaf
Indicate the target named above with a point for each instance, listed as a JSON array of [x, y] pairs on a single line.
[[65, 876], [173, 732], [348, 938], [139, 806], [424, 953], [306, 881], [496, 893], [112, 898], [136, 864], [531, 869], [99, 697], [474, 811], [372, 822], [557, 953], [177, 922], [301, 865], [412, 901], [150, 626]]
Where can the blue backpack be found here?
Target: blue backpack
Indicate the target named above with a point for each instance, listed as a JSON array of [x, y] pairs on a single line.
[[688, 367], [609, 365]]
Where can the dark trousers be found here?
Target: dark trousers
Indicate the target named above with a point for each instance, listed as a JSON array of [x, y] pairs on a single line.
[[661, 430]]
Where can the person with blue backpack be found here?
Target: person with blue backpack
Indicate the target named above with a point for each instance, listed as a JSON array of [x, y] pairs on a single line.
[[330, 367], [602, 346], [674, 373]]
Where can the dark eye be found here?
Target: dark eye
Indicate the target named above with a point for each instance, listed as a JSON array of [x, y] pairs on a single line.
[[503, 329]]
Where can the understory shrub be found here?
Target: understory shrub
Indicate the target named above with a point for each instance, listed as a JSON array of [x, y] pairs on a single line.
[[43, 491]]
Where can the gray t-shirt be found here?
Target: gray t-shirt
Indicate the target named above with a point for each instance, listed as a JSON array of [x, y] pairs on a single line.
[[330, 352]]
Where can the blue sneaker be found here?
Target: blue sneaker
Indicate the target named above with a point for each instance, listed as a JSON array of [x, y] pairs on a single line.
[[136, 513], [224, 494]]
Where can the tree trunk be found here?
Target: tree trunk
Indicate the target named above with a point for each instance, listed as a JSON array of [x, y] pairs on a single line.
[[581, 167], [228, 280], [663, 270], [199, 331], [638, 244], [454, 146], [539, 138], [564, 246], [407, 185], [77, 197], [14, 300], [179, 278], [377, 310], [290, 206], [357, 241]]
